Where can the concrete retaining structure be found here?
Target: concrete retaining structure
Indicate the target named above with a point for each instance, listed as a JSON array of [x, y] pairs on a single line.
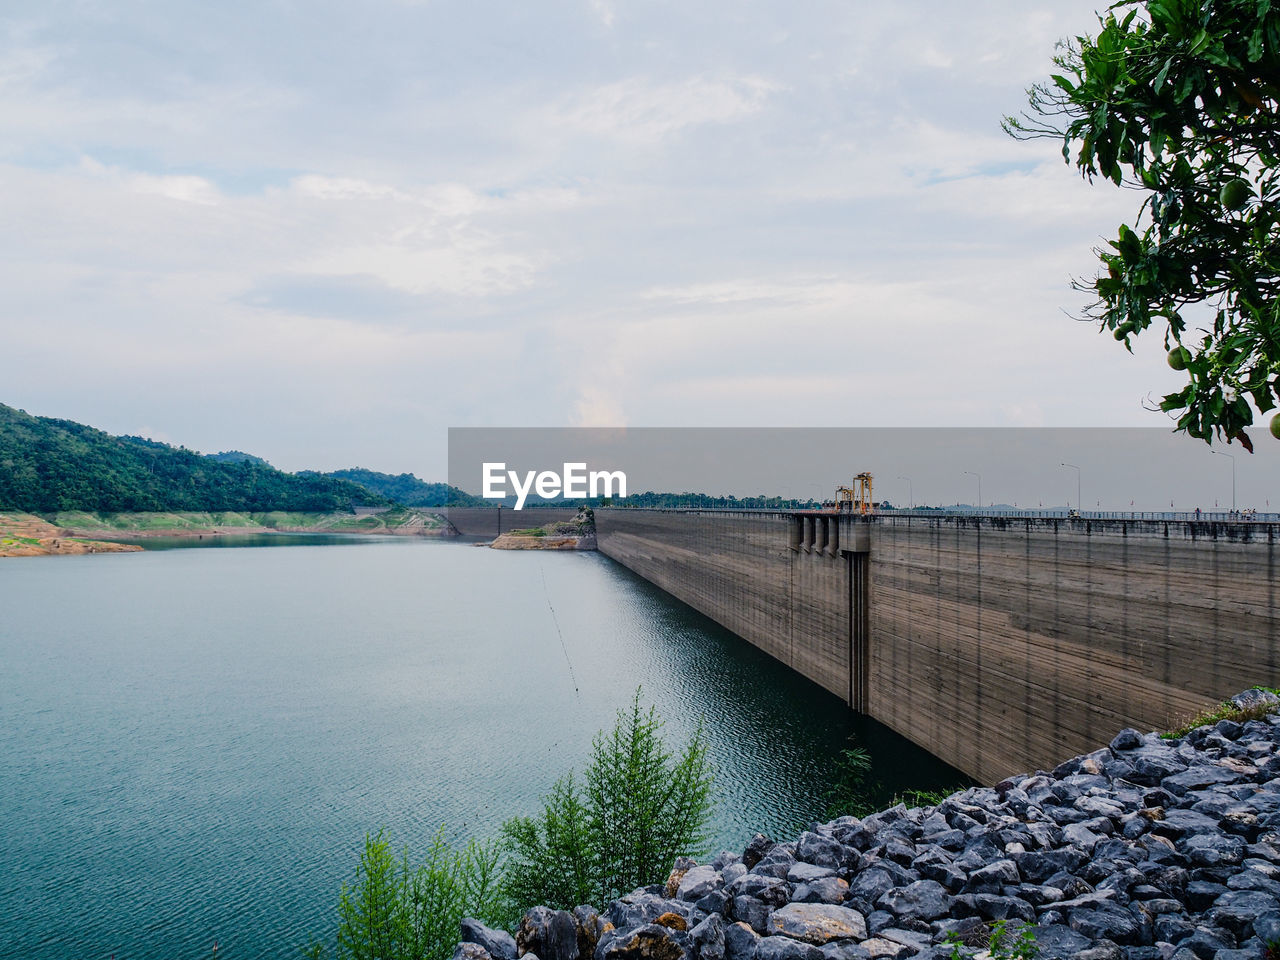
[[997, 644]]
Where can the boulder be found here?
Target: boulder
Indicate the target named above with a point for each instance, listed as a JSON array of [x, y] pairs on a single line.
[[696, 882], [922, 900], [551, 934], [817, 923], [648, 942], [499, 944]]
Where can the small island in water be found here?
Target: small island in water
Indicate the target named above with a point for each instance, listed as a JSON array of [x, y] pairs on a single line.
[[576, 534]]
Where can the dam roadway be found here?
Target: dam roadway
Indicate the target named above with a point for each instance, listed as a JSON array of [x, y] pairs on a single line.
[[1000, 644]]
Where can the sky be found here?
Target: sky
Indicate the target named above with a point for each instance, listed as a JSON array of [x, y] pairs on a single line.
[[326, 232]]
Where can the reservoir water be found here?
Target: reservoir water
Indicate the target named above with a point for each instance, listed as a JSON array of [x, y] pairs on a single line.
[[194, 742]]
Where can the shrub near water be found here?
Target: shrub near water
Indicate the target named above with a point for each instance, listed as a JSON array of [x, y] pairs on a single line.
[[394, 911], [640, 807]]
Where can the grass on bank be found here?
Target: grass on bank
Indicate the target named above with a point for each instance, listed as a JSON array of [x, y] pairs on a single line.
[[1225, 711]]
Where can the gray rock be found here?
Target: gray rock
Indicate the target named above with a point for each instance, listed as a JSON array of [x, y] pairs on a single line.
[[698, 882], [470, 951], [1266, 926], [591, 927], [770, 890], [636, 909], [750, 910], [499, 944], [922, 900], [707, 938], [915, 939], [1205, 941], [1127, 739], [844, 950], [871, 884], [1101, 951], [1037, 866], [1235, 910], [647, 942], [1252, 699], [880, 949], [1058, 942], [1172, 928], [990, 906], [1197, 778], [1106, 922], [551, 934], [784, 948], [817, 923], [1214, 849], [732, 872], [878, 920], [1200, 895], [756, 848], [740, 942], [993, 877], [822, 890], [714, 902], [802, 872], [826, 852]]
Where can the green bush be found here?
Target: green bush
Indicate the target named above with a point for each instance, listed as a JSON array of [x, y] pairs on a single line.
[[639, 808], [1001, 945], [393, 911]]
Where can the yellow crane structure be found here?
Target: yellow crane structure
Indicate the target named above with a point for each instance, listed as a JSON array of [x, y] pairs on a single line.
[[858, 497]]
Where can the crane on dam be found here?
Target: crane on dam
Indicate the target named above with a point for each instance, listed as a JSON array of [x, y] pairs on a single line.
[[856, 499]]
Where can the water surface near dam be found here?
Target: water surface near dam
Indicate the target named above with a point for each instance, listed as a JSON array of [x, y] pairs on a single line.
[[193, 742]]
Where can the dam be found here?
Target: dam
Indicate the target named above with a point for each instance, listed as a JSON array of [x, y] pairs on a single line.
[[999, 644]]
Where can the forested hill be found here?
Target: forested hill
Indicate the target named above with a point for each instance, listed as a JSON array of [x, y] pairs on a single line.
[[49, 465], [407, 489]]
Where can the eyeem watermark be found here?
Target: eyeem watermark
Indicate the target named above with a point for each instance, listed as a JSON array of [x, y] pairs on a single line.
[[575, 482]]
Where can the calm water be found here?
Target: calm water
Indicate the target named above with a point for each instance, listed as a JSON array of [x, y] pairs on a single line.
[[194, 742]]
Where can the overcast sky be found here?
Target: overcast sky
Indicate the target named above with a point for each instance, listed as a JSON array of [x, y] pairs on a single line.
[[324, 232]]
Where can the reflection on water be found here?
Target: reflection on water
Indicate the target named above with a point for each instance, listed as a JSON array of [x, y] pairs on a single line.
[[194, 742]]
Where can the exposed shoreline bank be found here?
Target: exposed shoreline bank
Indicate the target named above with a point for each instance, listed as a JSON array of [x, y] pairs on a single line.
[[25, 534]]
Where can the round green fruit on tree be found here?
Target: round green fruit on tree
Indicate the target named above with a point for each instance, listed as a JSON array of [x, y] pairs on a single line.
[[1234, 194], [1275, 426], [1124, 330], [1179, 357]]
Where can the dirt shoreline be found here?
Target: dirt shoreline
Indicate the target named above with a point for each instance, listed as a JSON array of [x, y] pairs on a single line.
[[29, 535]]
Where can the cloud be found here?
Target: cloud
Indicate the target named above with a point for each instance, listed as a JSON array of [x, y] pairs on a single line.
[[318, 233], [642, 111]]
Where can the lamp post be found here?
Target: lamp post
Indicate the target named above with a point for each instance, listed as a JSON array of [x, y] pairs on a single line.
[[979, 476], [911, 497], [1079, 505], [1233, 475]]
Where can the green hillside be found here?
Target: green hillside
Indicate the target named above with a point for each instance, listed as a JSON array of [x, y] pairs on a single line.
[[407, 489], [49, 465]]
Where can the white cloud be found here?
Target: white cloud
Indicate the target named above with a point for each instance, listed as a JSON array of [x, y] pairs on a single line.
[[640, 110], [411, 215]]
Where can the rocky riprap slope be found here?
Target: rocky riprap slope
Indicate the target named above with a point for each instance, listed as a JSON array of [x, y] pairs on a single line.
[[1149, 849]]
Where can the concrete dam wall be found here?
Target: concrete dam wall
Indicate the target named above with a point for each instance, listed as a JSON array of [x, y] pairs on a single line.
[[998, 644]]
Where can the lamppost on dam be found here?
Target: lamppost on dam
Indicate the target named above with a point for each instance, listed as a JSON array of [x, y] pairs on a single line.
[[911, 497], [1079, 504], [979, 476]]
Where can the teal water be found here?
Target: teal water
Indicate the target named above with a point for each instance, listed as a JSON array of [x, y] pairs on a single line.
[[193, 742]]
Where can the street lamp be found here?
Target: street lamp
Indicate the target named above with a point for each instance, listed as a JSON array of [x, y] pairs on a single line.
[[1079, 505], [1233, 476], [911, 497], [979, 476]]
